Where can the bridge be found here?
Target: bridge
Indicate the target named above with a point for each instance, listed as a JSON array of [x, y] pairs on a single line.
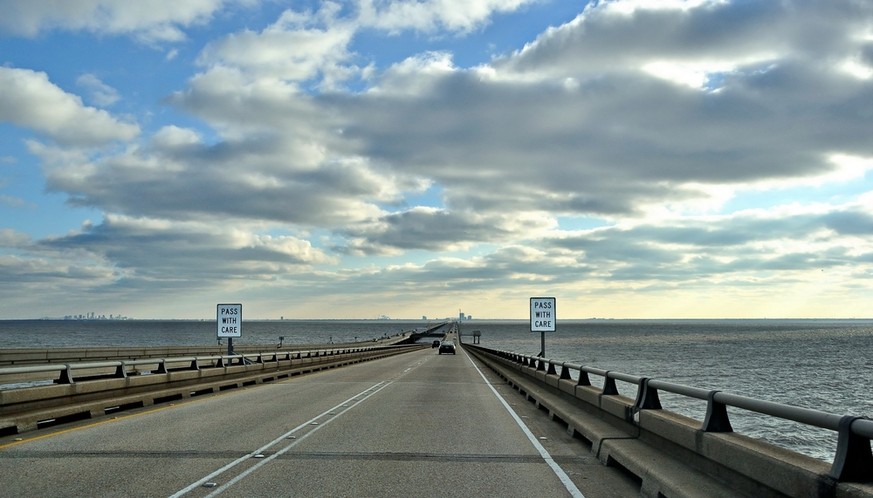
[[438, 330], [392, 419]]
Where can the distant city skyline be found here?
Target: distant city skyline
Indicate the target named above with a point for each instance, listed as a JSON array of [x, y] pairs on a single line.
[[94, 316], [634, 159]]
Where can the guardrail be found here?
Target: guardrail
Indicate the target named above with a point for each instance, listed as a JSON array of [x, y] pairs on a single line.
[[41, 395], [63, 373], [39, 356], [853, 462]]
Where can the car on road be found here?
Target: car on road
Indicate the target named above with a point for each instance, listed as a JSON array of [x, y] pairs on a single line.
[[435, 344], [447, 347]]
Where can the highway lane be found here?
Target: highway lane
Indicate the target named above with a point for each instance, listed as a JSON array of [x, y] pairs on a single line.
[[418, 424]]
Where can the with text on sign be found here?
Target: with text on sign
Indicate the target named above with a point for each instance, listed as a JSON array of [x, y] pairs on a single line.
[[228, 318], [542, 314]]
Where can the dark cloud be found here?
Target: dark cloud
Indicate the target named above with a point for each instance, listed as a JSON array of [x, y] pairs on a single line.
[[429, 229]]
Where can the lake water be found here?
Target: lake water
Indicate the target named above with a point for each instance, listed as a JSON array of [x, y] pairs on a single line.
[[820, 364]]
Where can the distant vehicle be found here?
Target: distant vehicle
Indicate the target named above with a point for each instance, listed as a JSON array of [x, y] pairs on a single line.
[[447, 347], [435, 344]]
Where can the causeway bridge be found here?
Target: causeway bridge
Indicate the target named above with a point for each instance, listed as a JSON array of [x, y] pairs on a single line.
[[392, 418]]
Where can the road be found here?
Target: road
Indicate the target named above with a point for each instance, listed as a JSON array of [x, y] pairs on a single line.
[[417, 424]]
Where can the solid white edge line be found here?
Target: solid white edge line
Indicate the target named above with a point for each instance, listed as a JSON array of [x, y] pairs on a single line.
[[565, 479]]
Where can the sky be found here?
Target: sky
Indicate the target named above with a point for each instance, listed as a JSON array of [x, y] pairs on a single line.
[[409, 158]]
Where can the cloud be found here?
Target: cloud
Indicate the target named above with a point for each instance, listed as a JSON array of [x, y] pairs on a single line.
[[181, 179], [12, 201], [102, 94], [291, 49], [150, 249], [620, 140], [149, 20], [13, 239], [29, 99], [507, 140], [303, 166], [767, 245], [422, 228], [431, 16]]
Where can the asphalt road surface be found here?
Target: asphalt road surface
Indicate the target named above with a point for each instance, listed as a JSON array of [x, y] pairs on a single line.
[[417, 424]]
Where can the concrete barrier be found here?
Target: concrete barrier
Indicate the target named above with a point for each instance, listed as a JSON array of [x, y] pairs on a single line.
[[87, 390], [673, 455], [41, 356]]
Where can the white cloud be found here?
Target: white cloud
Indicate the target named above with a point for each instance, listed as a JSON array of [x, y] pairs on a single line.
[[13, 239], [431, 16], [174, 137], [13, 201], [29, 99], [102, 94], [416, 75], [149, 20], [285, 51]]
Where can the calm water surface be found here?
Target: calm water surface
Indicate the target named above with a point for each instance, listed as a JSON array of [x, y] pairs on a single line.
[[821, 364], [161, 333]]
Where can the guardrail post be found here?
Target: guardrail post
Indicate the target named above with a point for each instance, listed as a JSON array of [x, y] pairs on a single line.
[[162, 367], [565, 372], [647, 397], [551, 370], [853, 460], [66, 375], [716, 415], [609, 388], [120, 371], [584, 380], [541, 364]]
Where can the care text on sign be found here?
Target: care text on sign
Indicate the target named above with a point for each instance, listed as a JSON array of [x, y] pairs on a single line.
[[229, 320], [542, 314]]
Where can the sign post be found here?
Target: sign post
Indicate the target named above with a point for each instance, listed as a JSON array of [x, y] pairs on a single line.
[[228, 318], [542, 319]]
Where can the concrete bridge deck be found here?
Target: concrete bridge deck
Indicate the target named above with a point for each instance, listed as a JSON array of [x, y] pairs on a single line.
[[413, 423], [416, 424]]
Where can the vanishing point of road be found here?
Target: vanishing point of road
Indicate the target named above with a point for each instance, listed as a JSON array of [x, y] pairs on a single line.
[[416, 424]]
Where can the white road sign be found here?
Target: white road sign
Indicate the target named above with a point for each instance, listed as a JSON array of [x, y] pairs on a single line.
[[542, 314], [229, 320]]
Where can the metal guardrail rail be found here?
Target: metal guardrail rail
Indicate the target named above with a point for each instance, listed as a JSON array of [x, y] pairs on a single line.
[[40, 356], [63, 373], [853, 461], [40, 395]]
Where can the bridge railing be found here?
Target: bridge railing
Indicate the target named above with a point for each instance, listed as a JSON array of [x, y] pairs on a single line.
[[852, 462], [67, 373], [37, 396]]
